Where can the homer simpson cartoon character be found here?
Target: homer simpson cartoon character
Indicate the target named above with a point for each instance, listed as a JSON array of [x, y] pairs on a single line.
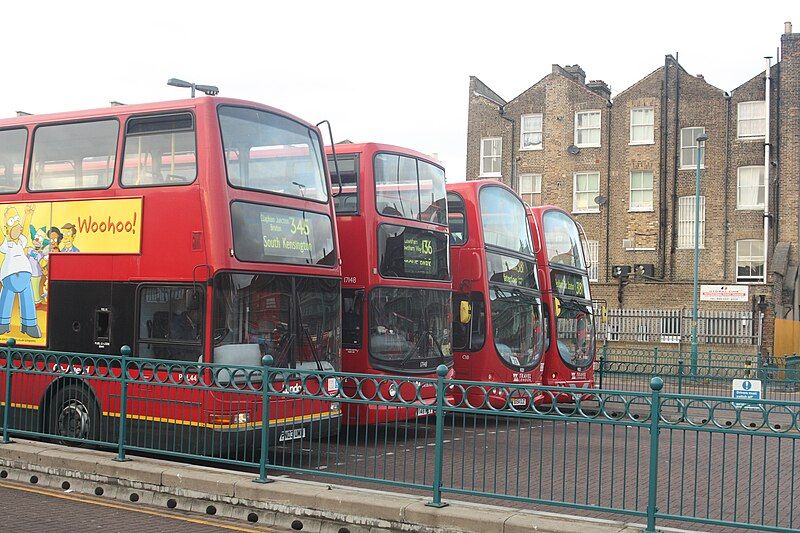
[[69, 238], [16, 275]]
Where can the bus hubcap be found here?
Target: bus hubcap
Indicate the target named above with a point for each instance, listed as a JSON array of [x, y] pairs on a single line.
[[74, 420]]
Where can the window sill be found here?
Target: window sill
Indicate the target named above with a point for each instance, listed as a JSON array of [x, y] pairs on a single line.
[[690, 248], [640, 249], [534, 149], [753, 138], [641, 143], [750, 208], [588, 145], [591, 212], [693, 167], [490, 175], [643, 210], [750, 281]]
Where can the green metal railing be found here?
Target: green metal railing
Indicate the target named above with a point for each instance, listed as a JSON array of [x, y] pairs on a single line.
[[666, 455]]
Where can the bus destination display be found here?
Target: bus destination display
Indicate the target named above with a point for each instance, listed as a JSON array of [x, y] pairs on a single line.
[[510, 271], [569, 284], [272, 234], [412, 253]]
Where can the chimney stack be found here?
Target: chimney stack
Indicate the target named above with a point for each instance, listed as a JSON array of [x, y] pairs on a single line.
[[600, 87], [787, 27], [576, 72]]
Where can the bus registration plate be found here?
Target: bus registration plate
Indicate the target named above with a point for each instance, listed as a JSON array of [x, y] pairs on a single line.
[[292, 434]]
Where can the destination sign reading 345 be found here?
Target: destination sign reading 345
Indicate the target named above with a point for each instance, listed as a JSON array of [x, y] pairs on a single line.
[[285, 233]]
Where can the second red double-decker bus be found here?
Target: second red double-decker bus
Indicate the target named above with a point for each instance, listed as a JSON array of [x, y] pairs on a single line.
[[498, 330], [396, 298], [570, 346], [196, 231]]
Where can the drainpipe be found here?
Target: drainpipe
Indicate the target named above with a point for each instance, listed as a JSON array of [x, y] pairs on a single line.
[[777, 143], [513, 147], [662, 178], [767, 147], [608, 187], [725, 179]]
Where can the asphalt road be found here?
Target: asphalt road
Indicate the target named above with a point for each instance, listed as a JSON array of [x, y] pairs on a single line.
[[29, 508]]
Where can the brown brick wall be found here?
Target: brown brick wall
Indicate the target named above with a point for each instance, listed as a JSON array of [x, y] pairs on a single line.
[[696, 103]]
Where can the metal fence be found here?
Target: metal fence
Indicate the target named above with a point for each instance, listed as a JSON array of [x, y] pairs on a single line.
[[654, 454], [673, 326]]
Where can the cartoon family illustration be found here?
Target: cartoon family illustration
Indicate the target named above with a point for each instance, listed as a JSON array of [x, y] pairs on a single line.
[[24, 272]]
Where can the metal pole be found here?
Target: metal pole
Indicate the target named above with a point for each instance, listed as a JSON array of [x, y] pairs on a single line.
[[695, 293], [656, 384], [441, 372], [266, 381], [125, 352], [7, 407]]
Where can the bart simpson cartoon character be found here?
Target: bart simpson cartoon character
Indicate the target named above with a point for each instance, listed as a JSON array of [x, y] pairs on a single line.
[[16, 275], [69, 238]]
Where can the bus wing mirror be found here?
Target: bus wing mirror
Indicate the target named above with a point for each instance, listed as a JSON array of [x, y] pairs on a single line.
[[465, 312]]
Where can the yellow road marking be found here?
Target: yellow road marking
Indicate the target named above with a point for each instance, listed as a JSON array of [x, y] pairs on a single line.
[[79, 499]]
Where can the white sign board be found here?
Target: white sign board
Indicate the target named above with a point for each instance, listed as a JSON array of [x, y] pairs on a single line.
[[747, 388], [724, 293]]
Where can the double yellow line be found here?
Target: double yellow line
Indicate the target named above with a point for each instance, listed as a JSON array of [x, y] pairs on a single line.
[[131, 508]]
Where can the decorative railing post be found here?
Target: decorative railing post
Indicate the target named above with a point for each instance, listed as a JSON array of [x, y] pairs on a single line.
[[656, 384], [7, 406], [266, 382], [125, 352], [680, 376], [441, 372], [655, 359], [600, 364]]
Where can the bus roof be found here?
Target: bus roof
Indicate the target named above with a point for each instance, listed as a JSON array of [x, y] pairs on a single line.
[[135, 109], [372, 147]]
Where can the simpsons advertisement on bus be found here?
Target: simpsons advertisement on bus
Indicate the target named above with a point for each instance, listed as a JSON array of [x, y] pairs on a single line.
[[33, 232]]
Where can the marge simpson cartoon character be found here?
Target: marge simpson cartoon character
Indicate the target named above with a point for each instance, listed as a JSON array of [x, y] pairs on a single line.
[[16, 274]]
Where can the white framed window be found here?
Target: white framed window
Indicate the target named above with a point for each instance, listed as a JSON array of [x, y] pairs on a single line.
[[530, 188], [686, 222], [531, 132], [592, 248], [750, 188], [750, 260], [752, 119], [689, 148], [585, 188], [587, 129], [491, 157], [641, 190], [642, 121]]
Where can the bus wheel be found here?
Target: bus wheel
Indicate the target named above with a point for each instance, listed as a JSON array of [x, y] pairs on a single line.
[[73, 413]]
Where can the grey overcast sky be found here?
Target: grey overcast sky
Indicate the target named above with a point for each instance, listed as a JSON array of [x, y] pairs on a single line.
[[394, 72]]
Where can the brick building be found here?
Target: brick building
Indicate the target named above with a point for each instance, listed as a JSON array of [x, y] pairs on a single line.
[[625, 168]]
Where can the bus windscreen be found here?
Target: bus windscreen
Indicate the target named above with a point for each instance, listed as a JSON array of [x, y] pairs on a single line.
[[562, 240], [504, 220], [412, 253], [270, 234]]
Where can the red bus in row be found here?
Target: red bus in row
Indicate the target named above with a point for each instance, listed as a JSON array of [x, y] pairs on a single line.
[[570, 345], [197, 230], [396, 298], [499, 329]]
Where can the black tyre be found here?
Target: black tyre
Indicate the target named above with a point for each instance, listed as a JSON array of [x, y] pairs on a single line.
[[72, 412]]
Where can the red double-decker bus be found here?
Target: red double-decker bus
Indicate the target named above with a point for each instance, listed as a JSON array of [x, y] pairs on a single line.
[[194, 231], [498, 330], [396, 298], [570, 346]]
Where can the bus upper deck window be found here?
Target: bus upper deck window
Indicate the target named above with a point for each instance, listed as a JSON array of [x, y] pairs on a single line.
[[12, 155], [78, 155], [159, 150]]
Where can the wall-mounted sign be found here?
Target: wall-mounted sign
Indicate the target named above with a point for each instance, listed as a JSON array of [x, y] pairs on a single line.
[[724, 293]]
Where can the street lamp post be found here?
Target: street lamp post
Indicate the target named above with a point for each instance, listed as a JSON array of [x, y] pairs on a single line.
[[701, 139]]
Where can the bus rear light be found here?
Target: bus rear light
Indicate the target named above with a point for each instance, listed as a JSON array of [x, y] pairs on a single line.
[[228, 419]]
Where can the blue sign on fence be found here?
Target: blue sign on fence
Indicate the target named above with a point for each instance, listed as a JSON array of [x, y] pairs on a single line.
[[747, 388]]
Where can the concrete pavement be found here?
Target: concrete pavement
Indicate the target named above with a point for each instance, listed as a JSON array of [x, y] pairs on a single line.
[[296, 504]]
